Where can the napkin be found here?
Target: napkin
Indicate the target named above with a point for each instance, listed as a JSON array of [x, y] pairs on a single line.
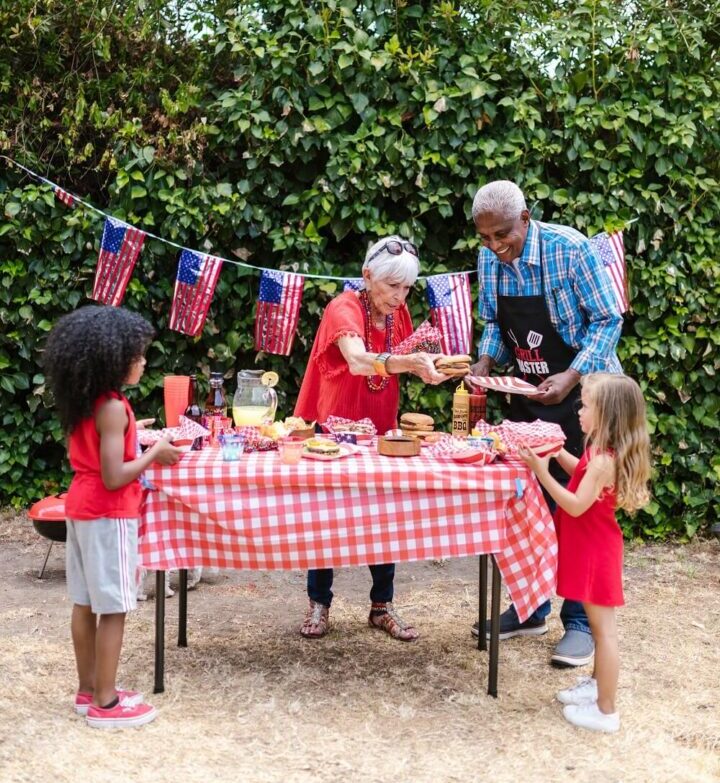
[[338, 424], [425, 338], [186, 430]]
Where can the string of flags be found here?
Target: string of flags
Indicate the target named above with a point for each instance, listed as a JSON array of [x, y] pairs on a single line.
[[280, 293]]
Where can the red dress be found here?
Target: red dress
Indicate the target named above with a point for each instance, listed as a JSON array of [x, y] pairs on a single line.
[[328, 388], [590, 549]]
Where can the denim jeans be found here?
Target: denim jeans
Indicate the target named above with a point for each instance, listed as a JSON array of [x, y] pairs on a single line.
[[572, 615], [319, 584]]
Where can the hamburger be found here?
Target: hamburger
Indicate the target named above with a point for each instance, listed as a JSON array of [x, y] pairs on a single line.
[[327, 448], [416, 424], [455, 366]]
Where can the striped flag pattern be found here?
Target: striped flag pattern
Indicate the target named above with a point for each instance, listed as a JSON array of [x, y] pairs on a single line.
[[278, 311], [197, 276], [62, 195], [119, 249], [451, 311], [612, 252], [501, 383]]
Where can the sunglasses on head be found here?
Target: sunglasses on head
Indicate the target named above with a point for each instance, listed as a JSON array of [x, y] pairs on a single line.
[[395, 248]]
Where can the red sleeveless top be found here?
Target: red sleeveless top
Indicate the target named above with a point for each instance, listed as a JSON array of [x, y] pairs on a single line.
[[328, 388], [88, 497]]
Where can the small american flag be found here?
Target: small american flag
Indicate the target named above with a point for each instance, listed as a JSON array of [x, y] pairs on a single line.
[[197, 276], [451, 311], [611, 249], [119, 249], [353, 284], [62, 195], [278, 311]]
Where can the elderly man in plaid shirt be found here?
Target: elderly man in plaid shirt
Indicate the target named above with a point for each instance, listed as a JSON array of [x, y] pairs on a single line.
[[549, 311]]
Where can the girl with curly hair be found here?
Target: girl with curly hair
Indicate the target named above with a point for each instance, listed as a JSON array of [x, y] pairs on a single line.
[[613, 472], [89, 355]]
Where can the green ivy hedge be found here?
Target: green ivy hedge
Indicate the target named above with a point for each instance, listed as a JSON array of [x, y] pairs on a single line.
[[289, 134]]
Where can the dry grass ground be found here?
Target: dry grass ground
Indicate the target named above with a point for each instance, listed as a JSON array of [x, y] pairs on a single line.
[[249, 700]]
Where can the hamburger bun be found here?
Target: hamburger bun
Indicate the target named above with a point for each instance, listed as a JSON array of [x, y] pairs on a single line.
[[415, 423], [327, 448], [454, 366]]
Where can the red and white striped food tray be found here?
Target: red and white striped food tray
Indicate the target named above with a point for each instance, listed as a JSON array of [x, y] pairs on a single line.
[[532, 433], [502, 383]]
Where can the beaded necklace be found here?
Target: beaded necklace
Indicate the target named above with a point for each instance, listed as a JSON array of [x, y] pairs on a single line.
[[365, 302]]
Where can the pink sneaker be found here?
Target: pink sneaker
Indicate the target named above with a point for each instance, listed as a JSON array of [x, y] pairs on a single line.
[[121, 716], [83, 700]]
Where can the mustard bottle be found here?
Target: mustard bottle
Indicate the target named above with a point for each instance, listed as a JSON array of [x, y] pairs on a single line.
[[461, 412]]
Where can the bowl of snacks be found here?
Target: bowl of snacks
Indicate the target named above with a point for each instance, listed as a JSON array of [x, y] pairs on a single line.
[[299, 428]]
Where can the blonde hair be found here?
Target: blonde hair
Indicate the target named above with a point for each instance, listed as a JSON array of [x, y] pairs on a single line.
[[620, 425]]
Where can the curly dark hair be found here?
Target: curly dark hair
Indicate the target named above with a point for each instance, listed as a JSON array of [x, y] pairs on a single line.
[[90, 352]]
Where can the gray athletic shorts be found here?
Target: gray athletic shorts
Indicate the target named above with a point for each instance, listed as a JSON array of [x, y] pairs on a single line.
[[101, 557]]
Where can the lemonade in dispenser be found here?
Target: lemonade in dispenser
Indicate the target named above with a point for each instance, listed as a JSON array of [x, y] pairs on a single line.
[[255, 400]]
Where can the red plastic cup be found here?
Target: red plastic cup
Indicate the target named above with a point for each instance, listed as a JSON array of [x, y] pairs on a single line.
[[176, 389]]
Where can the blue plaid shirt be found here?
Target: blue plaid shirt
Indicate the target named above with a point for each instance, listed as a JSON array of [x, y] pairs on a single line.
[[578, 296]]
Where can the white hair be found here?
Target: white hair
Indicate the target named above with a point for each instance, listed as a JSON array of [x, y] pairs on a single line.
[[404, 268], [502, 196]]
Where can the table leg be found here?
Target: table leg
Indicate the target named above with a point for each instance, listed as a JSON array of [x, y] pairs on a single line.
[[182, 609], [494, 630], [482, 591], [159, 632]]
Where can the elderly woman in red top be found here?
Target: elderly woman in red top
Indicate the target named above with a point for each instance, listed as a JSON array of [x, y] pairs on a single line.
[[352, 372]]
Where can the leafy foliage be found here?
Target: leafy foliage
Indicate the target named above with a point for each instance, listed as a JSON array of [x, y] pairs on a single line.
[[289, 134]]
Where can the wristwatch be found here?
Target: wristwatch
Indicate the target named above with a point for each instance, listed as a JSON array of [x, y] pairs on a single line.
[[379, 363]]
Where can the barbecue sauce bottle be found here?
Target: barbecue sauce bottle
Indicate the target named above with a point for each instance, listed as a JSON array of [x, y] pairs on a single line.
[[194, 411]]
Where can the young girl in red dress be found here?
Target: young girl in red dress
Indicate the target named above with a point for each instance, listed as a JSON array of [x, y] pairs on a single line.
[[612, 473]]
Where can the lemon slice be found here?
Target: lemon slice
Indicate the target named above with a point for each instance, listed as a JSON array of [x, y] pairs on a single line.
[[269, 379]]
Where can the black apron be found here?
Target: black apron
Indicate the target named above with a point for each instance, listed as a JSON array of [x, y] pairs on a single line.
[[539, 351]]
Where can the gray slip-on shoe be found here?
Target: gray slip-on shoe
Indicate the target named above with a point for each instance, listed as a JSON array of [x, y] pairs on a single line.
[[576, 648]]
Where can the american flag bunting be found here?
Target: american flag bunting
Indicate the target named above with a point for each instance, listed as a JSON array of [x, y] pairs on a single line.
[[119, 249], [197, 276], [611, 249], [278, 311], [451, 311], [63, 196]]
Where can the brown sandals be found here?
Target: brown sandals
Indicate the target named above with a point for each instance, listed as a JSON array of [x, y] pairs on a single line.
[[317, 620], [385, 618], [382, 616]]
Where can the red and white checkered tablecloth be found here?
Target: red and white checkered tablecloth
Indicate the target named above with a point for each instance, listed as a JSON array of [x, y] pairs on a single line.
[[257, 513]]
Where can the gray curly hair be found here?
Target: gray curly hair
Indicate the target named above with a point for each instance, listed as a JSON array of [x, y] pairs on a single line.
[[501, 196]]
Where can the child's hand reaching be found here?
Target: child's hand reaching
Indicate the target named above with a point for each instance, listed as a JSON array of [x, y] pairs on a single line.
[[165, 453], [142, 424], [533, 460]]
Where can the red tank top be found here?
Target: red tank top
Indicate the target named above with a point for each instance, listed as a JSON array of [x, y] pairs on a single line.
[[88, 497]]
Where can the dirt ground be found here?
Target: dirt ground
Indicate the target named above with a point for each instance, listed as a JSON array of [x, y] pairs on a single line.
[[250, 700]]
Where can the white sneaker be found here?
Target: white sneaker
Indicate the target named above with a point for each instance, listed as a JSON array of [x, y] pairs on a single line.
[[588, 716], [584, 692]]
